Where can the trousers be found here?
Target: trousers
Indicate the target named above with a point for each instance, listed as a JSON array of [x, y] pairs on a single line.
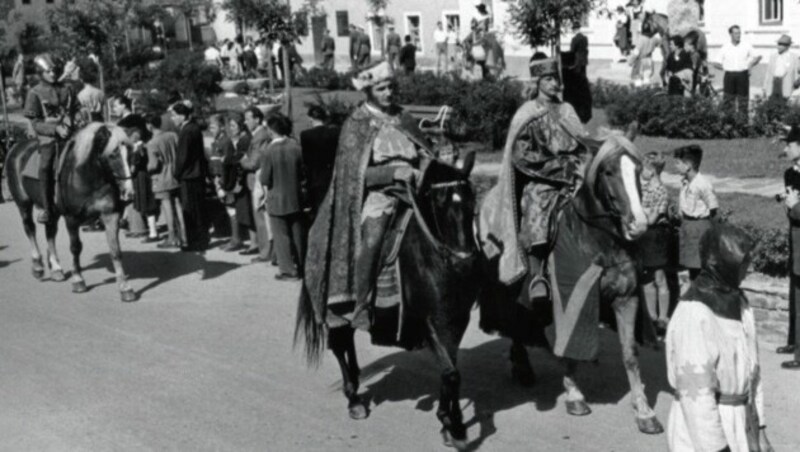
[[289, 239]]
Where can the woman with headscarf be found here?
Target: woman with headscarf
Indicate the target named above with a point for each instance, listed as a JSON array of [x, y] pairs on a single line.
[[712, 354]]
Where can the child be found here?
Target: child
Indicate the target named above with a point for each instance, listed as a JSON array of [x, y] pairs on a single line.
[[697, 204], [654, 244], [791, 200]]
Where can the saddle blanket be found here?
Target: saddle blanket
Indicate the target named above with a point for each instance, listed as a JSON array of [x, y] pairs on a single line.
[[31, 169]]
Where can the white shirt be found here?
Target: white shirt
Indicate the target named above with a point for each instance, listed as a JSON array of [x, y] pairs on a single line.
[[736, 58], [211, 54], [697, 198], [782, 64], [439, 36]]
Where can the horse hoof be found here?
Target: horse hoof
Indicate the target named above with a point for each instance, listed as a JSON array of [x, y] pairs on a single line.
[[38, 273], [650, 425], [449, 441], [578, 408], [79, 287], [58, 276], [523, 376], [357, 411], [128, 296]]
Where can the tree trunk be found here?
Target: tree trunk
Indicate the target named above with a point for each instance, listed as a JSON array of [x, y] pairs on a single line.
[[287, 82], [270, 69], [127, 39]]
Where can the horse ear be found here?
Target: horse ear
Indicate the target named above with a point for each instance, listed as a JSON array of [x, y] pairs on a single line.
[[633, 131], [467, 163]]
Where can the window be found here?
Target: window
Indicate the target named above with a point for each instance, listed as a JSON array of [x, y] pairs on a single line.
[[414, 29], [771, 11], [342, 24]]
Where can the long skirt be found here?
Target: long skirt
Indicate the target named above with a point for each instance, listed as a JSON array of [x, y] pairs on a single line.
[[144, 201], [192, 196], [243, 204], [689, 239]]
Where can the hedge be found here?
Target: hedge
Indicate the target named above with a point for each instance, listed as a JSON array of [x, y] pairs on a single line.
[[693, 118]]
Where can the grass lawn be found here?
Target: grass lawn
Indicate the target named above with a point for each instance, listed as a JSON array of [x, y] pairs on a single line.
[[750, 157]]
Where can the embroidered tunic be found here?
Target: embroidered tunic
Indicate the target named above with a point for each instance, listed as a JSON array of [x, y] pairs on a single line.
[[712, 362]]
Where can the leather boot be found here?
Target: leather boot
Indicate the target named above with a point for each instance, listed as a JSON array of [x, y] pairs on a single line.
[[367, 262], [46, 187]]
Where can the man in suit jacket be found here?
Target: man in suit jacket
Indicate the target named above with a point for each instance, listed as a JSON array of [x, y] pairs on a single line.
[[393, 45], [328, 50], [355, 43], [364, 48], [792, 201], [191, 169], [319, 151], [783, 70], [282, 174], [251, 163]]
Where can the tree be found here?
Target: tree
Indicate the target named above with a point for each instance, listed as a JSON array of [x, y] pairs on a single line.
[[541, 22]]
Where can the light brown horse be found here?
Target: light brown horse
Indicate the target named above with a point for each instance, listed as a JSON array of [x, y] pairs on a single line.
[[93, 180]]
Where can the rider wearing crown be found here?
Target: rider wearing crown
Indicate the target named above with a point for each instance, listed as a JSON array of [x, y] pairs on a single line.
[[51, 106]]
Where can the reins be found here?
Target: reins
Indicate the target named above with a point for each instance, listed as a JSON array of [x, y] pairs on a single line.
[[440, 247]]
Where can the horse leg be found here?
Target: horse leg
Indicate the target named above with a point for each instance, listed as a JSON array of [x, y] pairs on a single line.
[[111, 222], [341, 343], [29, 225], [625, 311], [521, 370], [75, 247], [445, 347], [56, 272], [576, 403]]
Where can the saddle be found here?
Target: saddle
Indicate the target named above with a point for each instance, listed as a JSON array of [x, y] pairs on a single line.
[[31, 167]]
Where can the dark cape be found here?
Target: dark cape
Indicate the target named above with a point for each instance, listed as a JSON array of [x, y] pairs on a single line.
[[334, 240]]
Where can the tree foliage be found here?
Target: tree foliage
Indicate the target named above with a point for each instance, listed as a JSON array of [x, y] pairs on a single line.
[[272, 18], [541, 22]]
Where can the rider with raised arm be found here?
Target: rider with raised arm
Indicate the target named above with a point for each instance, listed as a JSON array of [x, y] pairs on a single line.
[[379, 146], [51, 106]]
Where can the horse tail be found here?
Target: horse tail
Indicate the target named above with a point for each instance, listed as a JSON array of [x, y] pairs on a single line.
[[308, 330], [15, 161]]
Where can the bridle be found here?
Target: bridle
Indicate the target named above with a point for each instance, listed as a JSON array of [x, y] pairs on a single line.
[[440, 247]]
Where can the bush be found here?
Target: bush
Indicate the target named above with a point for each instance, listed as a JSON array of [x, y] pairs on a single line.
[[318, 77], [338, 109], [691, 118], [771, 254]]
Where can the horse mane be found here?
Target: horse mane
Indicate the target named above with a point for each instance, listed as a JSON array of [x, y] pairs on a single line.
[[84, 141]]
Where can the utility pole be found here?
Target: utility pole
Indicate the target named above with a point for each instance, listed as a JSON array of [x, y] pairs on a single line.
[[287, 75]]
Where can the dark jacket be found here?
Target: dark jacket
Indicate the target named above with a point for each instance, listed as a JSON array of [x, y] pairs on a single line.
[[251, 161], [190, 157], [283, 175], [319, 152], [232, 172], [408, 57], [580, 47], [791, 178]]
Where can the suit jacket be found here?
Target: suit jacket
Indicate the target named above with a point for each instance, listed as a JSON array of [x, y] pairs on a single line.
[[232, 171], [788, 80], [283, 175], [252, 160], [161, 161], [328, 45], [791, 179], [580, 47], [190, 156], [318, 146]]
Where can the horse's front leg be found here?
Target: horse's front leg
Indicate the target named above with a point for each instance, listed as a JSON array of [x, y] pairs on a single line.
[[75, 247], [444, 344], [37, 266], [56, 272], [343, 347], [576, 402], [111, 223], [625, 310]]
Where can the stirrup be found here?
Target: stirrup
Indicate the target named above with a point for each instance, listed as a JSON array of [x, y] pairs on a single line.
[[539, 289], [44, 217]]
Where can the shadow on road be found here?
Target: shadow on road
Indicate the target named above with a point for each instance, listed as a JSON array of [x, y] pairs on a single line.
[[164, 266], [4, 264], [487, 384]]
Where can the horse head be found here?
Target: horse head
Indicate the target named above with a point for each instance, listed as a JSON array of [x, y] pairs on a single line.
[[447, 205], [612, 180], [107, 146]]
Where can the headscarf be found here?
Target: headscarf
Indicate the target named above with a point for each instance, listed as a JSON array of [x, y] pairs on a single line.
[[724, 257]]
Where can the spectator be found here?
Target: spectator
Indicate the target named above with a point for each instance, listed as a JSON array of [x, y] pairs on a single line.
[[161, 166], [262, 54], [643, 68], [622, 38], [143, 200], [295, 60], [250, 163], [408, 56], [577, 90], [364, 48], [18, 75], [737, 59], [654, 245], [698, 58], [782, 71], [712, 355], [282, 175], [791, 179], [234, 183], [121, 108], [679, 68], [212, 56], [452, 46], [191, 170], [225, 53], [393, 46], [328, 50], [355, 42], [697, 203], [440, 41], [90, 97], [318, 145]]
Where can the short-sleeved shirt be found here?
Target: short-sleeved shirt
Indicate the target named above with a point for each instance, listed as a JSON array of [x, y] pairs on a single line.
[[655, 199], [697, 198], [736, 58]]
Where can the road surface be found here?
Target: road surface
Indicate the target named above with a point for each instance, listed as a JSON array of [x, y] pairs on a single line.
[[204, 361]]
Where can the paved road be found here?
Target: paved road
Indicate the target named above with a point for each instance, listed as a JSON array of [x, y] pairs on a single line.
[[205, 362]]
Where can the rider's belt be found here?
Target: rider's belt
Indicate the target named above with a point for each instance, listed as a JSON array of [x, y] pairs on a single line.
[[690, 218]]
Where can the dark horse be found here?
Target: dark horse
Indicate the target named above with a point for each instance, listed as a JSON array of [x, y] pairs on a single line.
[[438, 259], [91, 182], [594, 233]]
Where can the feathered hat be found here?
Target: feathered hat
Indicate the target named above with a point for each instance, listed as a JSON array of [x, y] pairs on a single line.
[[378, 72]]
